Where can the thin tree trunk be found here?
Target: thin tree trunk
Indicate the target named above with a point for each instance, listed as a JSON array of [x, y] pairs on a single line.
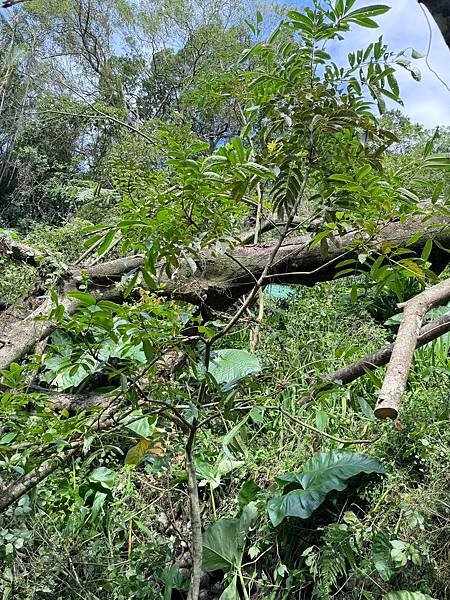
[[195, 518]]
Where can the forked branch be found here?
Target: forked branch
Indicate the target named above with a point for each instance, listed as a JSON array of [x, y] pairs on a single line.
[[429, 332]]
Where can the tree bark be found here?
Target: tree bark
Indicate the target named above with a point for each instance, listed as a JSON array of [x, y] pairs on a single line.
[[219, 280], [405, 343], [440, 10], [18, 251]]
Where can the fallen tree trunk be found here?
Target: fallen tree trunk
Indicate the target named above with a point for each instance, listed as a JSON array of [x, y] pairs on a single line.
[[18, 251], [219, 280]]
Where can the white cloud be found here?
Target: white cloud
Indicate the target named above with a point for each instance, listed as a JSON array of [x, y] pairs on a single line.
[[405, 26]]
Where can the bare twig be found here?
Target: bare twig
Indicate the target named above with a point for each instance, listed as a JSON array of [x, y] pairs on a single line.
[[345, 442]]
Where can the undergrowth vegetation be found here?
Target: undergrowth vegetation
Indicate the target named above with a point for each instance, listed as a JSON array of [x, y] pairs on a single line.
[[102, 530]]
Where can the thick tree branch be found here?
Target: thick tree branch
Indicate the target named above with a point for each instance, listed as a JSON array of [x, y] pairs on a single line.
[[429, 332], [18, 251], [403, 351], [440, 10]]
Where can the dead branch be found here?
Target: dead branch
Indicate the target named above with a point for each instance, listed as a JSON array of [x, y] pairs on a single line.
[[429, 332], [406, 341]]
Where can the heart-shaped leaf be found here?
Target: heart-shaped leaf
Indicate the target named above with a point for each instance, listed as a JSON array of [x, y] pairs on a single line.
[[322, 473]]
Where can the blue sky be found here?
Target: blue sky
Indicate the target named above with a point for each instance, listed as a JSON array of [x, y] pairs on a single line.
[[405, 25]]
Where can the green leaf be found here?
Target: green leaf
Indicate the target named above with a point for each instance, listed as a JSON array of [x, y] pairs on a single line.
[[259, 170], [322, 473], [84, 298], [106, 477], [297, 503], [231, 436], [8, 438], [144, 427], [370, 11], [107, 243], [322, 420], [330, 470], [226, 465], [173, 579], [381, 552], [427, 249], [229, 366], [99, 501], [248, 493], [130, 286], [231, 591], [224, 541], [438, 161]]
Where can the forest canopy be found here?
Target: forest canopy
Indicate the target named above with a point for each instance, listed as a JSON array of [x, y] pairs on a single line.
[[215, 234]]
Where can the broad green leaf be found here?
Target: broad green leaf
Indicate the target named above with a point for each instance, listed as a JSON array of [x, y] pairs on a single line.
[[330, 470], [322, 473], [106, 477], [381, 553], [229, 366], [144, 427], [322, 420], [297, 503], [248, 493], [224, 540]]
